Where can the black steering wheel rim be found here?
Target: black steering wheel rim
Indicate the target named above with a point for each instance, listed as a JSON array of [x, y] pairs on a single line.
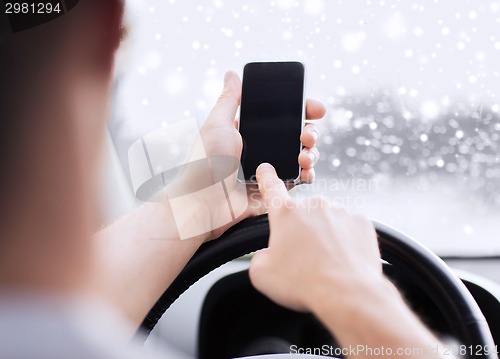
[[446, 289]]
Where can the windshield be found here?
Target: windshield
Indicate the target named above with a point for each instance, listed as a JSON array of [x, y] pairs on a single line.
[[412, 133]]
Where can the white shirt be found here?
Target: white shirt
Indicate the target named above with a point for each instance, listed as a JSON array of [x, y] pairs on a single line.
[[43, 328]]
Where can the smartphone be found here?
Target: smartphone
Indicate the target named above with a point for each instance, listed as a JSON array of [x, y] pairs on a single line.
[[272, 116]]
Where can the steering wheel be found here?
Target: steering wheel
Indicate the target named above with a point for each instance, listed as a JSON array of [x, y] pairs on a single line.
[[405, 254]]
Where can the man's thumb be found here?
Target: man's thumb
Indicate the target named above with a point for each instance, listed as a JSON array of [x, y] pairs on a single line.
[[224, 111]]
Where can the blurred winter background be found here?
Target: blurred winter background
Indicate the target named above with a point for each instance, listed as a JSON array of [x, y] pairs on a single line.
[[412, 134]]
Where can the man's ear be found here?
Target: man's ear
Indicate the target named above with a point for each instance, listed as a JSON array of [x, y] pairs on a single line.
[[113, 26], [97, 28], [115, 12]]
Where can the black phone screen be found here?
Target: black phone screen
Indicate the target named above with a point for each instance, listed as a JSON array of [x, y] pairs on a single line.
[[271, 118]]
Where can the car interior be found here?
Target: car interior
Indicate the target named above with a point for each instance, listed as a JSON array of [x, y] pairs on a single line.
[[411, 139]]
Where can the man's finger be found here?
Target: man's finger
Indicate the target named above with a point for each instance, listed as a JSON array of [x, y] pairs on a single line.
[[307, 176], [224, 111], [258, 266], [310, 135], [314, 110], [308, 158], [271, 188]]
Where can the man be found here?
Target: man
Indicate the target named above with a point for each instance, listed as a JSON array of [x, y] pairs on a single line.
[[53, 101]]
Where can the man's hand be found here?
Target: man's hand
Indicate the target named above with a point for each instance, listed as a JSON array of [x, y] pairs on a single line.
[[221, 138], [313, 248], [325, 261]]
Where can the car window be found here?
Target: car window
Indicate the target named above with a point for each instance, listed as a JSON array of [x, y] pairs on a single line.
[[412, 133]]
